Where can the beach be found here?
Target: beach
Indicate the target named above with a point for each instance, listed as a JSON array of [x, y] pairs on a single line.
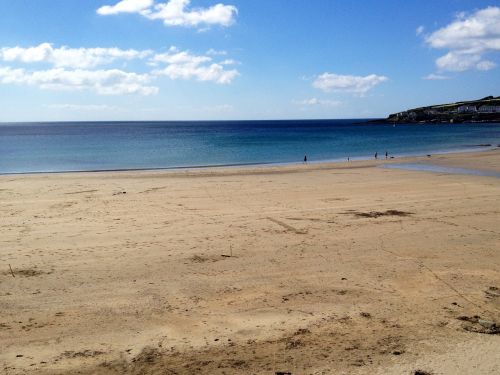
[[329, 268]]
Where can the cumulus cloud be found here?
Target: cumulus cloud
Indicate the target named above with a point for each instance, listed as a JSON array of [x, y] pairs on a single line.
[[65, 57], [229, 62], [184, 65], [358, 85], [468, 39], [75, 68], [175, 12], [419, 30], [458, 62], [485, 65], [435, 77], [125, 6], [214, 52], [9, 75], [103, 82]]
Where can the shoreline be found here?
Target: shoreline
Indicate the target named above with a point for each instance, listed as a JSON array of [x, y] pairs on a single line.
[[327, 162]]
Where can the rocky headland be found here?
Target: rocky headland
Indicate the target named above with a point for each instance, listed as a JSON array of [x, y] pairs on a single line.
[[482, 110]]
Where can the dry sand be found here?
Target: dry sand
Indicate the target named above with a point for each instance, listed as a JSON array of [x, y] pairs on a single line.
[[313, 269]]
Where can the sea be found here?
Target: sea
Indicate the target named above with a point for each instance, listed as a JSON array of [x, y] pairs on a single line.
[[109, 146]]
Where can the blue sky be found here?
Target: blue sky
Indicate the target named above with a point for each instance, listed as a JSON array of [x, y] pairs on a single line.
[[242, 59]]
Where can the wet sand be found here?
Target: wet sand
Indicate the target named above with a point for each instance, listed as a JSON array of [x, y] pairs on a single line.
[[342, 268]]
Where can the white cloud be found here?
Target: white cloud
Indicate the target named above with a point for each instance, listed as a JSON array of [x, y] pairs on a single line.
[[347, 83], [468, 38], [9, 75], [75, 69], [125, 6], [315, 102], [485, 65], [435, 77], [69, 57], [457, 62], [214, 52], [175, 12], [184, 65], [174, 56], [229, 62], [103, 82], [419, 30]]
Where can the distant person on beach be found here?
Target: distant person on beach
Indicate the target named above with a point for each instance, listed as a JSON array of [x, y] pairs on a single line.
[[348, 159], [376, 155], [305, 159], [386, 154]]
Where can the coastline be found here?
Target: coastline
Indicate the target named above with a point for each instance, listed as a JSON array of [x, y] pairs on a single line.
[[392, 159], [53, 148], [329, 267]]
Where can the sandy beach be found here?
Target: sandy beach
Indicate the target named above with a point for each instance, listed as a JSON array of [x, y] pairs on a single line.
[[342, 268]]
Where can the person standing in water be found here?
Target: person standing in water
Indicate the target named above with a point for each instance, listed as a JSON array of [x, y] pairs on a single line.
[[386, 154], [305, 159], [376, 155]]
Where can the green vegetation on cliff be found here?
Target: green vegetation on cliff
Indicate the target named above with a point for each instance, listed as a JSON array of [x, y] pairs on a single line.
[[482, 110]]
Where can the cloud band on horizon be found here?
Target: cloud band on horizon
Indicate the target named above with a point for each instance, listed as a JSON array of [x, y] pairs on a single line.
[[72, 69]]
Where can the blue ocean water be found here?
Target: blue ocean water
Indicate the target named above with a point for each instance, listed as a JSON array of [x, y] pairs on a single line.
[[93, 146]]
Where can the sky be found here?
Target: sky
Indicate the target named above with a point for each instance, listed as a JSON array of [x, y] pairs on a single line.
[[92, 60]]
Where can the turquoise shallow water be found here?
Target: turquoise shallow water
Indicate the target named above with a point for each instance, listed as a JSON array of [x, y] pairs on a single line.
[[94, 146]]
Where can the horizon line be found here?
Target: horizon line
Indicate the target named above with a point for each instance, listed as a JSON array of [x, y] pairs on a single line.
[[226, 120]]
